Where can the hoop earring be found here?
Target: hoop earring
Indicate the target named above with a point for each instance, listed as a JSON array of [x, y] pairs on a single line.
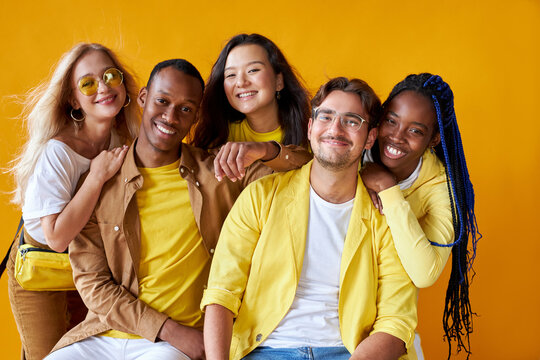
[[128, 100], [278, 94], [79, 120]]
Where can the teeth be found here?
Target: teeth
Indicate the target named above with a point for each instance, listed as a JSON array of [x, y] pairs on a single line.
[[246, 94], [162, 129], [393, 150]]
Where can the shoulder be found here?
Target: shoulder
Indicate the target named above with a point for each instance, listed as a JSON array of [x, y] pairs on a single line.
[[58, 155]]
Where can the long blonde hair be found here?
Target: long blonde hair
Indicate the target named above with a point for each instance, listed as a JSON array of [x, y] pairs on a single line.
[[46, 111]]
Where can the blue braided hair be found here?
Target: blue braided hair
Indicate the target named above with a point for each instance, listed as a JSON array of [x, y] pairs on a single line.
[[457, 317]]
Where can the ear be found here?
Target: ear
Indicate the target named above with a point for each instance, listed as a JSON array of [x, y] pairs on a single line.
[[309, 125], [371, 137], [279, 82], [141, 98], [435, 141], [74, 103]]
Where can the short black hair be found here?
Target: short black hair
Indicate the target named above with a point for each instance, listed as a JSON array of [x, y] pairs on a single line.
[[179, 64]]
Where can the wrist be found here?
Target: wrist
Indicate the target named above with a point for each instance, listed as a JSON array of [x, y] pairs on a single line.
[[272, 150]]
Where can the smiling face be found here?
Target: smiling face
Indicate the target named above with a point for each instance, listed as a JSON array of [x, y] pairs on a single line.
[[334, 147], [169, 109], [250, 82], [406, 131], [107, 102]]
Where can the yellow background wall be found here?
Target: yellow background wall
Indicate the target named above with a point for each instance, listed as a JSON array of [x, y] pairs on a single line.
[[488, 50]]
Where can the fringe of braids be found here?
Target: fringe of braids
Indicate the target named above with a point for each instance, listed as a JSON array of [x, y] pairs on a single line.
[[457, 317]]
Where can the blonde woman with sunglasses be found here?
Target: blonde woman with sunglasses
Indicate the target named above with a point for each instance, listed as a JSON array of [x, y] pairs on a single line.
[[79, 121]]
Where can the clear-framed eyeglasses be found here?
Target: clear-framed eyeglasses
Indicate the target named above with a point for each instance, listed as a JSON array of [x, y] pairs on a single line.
[[349, 121]]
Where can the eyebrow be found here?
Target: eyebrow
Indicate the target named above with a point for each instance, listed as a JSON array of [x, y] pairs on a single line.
[[249, 63], [194, 102]]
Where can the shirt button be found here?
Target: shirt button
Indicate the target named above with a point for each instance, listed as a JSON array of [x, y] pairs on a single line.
[[192, 171], [211, 251], [125, 180], [286, 157], [116, 228], [197, 183], [259, 337]]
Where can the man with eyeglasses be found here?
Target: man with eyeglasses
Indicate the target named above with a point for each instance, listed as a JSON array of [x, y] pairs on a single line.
[[142, 261], [305, 267]]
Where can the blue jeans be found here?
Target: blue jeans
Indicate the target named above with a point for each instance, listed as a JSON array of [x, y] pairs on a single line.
[[302, 353]]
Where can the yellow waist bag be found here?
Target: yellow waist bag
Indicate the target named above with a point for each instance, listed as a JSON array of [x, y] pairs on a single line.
[[39, 269]]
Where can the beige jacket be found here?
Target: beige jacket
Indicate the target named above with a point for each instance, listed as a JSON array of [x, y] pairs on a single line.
[[105, 256]]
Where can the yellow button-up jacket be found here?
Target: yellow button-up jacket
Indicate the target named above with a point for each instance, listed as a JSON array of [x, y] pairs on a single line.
[[258, 262]]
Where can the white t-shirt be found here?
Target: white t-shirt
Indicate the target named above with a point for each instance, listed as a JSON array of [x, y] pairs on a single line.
[[52, 185], [313, 319]]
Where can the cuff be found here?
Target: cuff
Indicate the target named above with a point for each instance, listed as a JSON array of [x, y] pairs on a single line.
[[221, 297], [391, 196]]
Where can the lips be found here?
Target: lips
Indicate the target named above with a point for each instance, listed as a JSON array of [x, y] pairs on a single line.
[[165, 129], [393, 152], [246, 94], [335, 140], [106, 100]]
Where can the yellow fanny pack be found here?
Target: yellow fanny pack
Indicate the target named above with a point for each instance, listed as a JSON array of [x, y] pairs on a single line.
[[39, 269]]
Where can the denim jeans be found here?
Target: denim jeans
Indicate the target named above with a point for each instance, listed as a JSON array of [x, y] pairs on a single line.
[[308, 353]]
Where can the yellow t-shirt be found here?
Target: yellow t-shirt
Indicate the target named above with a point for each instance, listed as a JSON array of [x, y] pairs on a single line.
[[174, 264], [241, 131]]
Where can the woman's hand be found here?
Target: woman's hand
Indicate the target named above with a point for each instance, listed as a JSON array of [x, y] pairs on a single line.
[[377, 178], [234, 157], [107, 163]]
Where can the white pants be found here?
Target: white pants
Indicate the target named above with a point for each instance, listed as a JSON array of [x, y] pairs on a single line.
[[105, 348]]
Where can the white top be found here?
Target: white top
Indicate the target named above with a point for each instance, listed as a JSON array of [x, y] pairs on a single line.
[[313, 319], [406, 183], [52, 185]]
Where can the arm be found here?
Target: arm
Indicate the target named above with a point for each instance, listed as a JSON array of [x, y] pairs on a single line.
[[423, 262], [218, 323], [107, 297], [379, 346], [59, 229], [184, 338], [230, 269], [234, 157], [396, 316]]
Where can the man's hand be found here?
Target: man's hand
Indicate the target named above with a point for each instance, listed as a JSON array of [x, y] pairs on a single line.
[[234, 157], [186, 339]]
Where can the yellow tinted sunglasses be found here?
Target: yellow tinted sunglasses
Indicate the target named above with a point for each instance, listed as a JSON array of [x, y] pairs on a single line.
[[88, 85]]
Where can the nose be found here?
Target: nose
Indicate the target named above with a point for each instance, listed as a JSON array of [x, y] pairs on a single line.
[[335, 126], [168, 114], [241, 80], [102, 87], [396, 134]]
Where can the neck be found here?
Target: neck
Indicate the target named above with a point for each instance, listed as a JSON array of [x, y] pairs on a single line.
[[147, 156], [335, 186], [264, 120], [96, 137]]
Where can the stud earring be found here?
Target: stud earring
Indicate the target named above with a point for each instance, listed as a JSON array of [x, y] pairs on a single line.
[[278, 94]]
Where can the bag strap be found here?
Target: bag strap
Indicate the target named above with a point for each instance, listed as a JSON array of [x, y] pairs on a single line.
[[4, 262]]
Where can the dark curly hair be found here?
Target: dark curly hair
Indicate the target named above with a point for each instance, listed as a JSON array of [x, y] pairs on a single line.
[[216, 113]]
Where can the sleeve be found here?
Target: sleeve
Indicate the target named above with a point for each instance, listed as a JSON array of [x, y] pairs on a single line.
[[290, 157], [115, 305], [232, 259], [396, 295], [423, 262], [51, 185]]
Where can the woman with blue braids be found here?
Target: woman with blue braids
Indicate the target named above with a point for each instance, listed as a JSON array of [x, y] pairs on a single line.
[[418, 178]]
